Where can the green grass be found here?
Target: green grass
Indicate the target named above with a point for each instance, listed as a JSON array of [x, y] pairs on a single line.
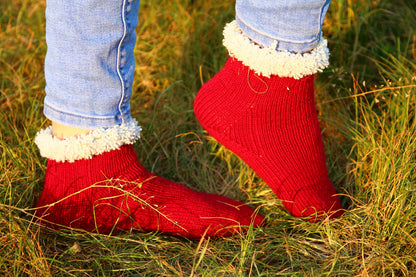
[[366, 101]]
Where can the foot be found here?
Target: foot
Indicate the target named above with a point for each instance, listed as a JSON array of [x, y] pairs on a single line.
[[271, 123], [111, 191]]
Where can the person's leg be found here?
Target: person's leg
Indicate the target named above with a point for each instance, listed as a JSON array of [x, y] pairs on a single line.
[[261, 104], [94, 180]]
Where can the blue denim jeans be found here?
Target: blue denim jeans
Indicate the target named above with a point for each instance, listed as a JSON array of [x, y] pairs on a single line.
[[295, 25], [89, 65]]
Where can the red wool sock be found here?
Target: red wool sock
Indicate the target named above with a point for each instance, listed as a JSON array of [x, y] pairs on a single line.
[[112, 191], [272, 124]]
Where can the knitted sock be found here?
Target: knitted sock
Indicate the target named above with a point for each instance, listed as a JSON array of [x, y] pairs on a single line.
[[111, 191], [271, 123]]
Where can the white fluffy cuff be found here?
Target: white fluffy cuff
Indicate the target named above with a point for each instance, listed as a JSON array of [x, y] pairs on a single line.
[[86, 146], [268, 61]]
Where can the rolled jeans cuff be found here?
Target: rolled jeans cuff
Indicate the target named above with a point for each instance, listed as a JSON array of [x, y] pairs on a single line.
[[293, 26]]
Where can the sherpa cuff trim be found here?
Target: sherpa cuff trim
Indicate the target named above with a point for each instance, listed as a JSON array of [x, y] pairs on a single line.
[[86, 146], [268, 61]]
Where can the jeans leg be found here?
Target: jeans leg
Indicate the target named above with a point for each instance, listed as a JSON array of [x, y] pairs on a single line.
[[295, 25], [89, 64]]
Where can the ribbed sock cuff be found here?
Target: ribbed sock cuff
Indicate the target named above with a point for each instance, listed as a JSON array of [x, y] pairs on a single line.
[[86, 146], [268, 61]]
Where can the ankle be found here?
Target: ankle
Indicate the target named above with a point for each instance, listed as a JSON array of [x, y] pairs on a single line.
[[61, 131]]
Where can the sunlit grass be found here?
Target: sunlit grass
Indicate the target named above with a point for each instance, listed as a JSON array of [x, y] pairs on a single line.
[[366, 103]]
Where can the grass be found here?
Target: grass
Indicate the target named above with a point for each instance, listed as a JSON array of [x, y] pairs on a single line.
[[366, 101]]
